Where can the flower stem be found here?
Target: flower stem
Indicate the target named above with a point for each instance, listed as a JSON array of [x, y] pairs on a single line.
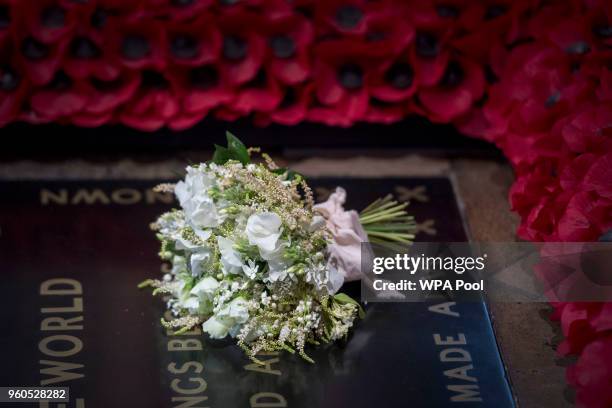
[[386, 220]]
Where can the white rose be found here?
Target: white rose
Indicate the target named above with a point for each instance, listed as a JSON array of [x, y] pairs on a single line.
[[205, 288], [263, 230], [230, 258], [200, 260]]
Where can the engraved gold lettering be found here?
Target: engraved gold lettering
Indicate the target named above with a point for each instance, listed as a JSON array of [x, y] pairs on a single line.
[[61, 324], [188, 402], [184, 345], [66, 297], [60, 372], [90, 197], [77, 307], [66, 287], [175, 385], [47, 197], [75, 343], [198, 367], [267, 400], [265, 368]]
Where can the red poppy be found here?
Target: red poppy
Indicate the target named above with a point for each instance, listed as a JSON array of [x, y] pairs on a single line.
[[47, 21], [86, 56], [201, 88], [243, 48], [351, 17], [389, 30], [6, 21], [13, 89], [195, 42], [570, 28], [40, 61], [154, 104], [131, 10], [94, 17], [459, 88], [87, 50], [60, 98], [342, 77], [598, 21], [292, 109], [538, 89], [138, 44], [395, 80], [178, 9], [260, 6], [431, 52], [289, 38], [489, 24], [107, 96], [262, 94]]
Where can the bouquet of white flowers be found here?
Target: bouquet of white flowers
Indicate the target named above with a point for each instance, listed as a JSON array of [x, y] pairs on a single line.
[[254, 258]]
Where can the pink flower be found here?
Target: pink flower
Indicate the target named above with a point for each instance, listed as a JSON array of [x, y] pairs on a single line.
[[347, 233]]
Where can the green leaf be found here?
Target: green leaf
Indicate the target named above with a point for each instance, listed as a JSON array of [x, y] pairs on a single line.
[[221, 155], [344, 299], [237, 149]]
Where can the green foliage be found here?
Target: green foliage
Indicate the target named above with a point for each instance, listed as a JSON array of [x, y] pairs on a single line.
[[235, 150], [343, 298], [288, 173]]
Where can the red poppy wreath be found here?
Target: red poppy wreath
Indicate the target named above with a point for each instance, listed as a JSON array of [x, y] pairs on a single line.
[[533, 77]]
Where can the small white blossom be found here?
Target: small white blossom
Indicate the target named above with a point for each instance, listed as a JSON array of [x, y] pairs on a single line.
[[250, 269]]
